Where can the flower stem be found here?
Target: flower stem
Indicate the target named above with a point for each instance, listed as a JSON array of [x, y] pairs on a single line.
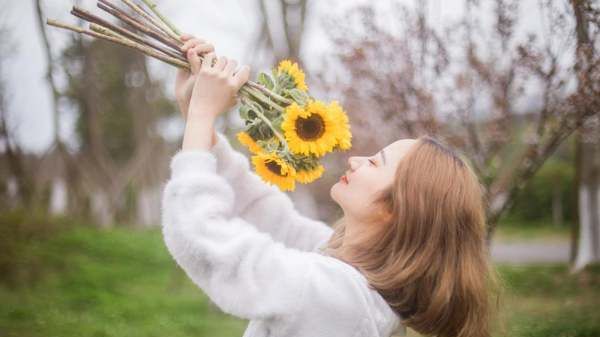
[[162, 18], [270, 125], [120, 40], [270, 93], [122, 31], [268, 122], [262, 98], [135, 22], [149, 18]]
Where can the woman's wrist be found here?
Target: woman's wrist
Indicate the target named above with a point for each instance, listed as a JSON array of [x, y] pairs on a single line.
[[183, 107], [198, 133]]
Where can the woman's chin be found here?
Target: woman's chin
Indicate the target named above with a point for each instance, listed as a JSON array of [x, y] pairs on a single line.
[[333, 191]]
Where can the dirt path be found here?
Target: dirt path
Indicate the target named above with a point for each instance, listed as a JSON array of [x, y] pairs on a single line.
[[518, 252]]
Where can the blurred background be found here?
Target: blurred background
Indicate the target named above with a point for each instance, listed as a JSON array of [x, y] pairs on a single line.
[[87, 129]]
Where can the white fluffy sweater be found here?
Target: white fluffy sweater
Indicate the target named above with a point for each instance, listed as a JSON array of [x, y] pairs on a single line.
[[245, 245]]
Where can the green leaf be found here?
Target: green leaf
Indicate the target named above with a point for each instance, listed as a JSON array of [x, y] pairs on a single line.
[[298, 96], [244, 112], [277, 122], [286, 81], [265, 131], [266, 80], [256, 108]]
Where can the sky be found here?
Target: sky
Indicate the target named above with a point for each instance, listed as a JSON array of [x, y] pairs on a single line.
[[229, 24]]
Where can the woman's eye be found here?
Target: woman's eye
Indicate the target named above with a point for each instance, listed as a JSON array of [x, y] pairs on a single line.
[[372, 162]]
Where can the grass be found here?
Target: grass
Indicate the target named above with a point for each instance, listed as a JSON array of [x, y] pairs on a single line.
[[111, 283], [545, 300], [513, 229], [124, 283]]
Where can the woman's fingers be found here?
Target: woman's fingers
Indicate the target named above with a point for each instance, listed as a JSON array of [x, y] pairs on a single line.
[[191, 44], [230, 67], [221, 63], [193, 48], [241, 76], [191, 55], [202, 48], [205, 48], [194, 59], [207, 61]]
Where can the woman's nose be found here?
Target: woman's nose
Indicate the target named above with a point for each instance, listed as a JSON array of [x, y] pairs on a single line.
[[353, 163]]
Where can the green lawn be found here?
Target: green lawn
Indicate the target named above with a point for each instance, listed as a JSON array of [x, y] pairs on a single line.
[[546, 301], [511, 229], [111, 283], [124, 283]]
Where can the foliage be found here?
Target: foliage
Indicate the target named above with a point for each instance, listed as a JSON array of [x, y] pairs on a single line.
[[110, 283], [23, 234], [534, 203], [287, 130], [535, 200], [122, 282], [105, 81], [546, 300], [469, 81]]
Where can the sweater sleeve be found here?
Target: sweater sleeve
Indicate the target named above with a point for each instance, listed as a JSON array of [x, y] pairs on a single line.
[[253, 196], [242, 270]]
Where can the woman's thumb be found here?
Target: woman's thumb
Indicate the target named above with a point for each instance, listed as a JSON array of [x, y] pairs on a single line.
[[194, 60]]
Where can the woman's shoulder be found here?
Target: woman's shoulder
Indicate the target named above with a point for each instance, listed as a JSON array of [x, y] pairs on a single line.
[[338, 286], [334, 283], [332, 300]]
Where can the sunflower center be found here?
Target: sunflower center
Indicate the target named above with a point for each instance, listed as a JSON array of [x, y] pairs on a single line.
[[274, 167], [310, 128]]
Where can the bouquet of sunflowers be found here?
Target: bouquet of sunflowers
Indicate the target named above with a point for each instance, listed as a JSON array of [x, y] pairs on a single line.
[[286, 129]]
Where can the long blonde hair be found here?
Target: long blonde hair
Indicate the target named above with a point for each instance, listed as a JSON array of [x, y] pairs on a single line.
[[429, 259]]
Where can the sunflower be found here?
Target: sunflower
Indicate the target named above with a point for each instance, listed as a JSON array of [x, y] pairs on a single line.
[[274, 170], [343, 134], [292, 69], [311, 130], [310, 175], [244, 138]]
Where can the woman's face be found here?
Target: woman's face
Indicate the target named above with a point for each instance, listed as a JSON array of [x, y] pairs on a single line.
[[366, 176]]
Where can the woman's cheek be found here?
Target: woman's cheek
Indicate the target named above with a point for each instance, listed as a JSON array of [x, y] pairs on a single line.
[[361, 189]]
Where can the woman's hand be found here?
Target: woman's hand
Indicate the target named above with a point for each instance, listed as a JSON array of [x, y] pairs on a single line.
[[214, 91], [184, 83], [216, 86]]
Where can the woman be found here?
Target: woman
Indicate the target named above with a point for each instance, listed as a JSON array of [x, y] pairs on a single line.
[[409, 250]]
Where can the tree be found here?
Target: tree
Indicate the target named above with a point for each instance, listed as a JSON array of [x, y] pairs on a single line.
[[119, 108], [14, 157], [290, 16], [587, 24], [469, 83], [72, 174]]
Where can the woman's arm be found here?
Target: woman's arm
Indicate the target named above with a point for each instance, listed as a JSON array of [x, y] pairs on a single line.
[[282, 222], [271, 210], [243, 271]]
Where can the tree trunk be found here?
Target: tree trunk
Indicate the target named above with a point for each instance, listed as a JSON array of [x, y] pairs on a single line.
[[588, 165], [588, 162]]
